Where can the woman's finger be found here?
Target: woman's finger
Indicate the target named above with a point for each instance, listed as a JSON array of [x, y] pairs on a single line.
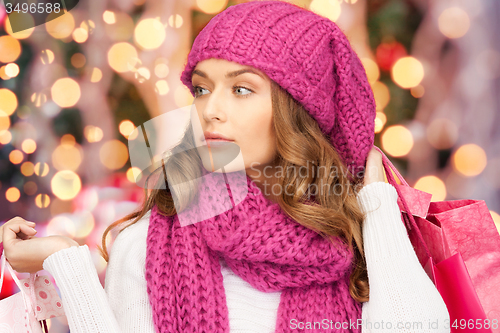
[[374, 167], [17, 220], [11, 231]]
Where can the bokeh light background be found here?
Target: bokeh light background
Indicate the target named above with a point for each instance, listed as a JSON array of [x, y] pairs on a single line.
[[74, 89]]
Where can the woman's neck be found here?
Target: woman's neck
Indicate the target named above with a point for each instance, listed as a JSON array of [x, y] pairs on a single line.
[[264, 177]]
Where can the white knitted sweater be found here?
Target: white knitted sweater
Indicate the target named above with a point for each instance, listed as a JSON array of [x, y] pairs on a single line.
[[401, 294]]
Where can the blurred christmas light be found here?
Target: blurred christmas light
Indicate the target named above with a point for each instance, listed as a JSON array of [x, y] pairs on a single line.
[[182, 96], [381, 95], [161, 87], [417, 91], [16, 156], [10, 49], [42, 200], [126, 128], [113, 154], [371, 69], [134, 173], [93, 133], [87, 199], [58, 206], [380, 120], [442, 133], [432, 185], [20, 17], [8, 101], [175, 21], [12, 70], [5, 135], [161, 70], [65, 92], [30, 188], [50, 109], [122, 57], [397, 140], [96, 75], [12, 194], [60, 27], [67, 156], [78, 60], [47, 56], [211, 6], [80, 35], [122, 29], [109, 17], [66, 184], [326, 8], [469, 160], [454, 22], [38, 99], [149, 34], [142, 74], [88, 26], [387, 53], [4, 123], [27, 168], [28, 146], [407, 72], [161, 60], [61, 225], [68, 139], [41, 169], [84, 224], [3, 75]]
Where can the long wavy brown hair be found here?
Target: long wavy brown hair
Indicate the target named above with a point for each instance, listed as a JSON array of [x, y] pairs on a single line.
[[298, 139]]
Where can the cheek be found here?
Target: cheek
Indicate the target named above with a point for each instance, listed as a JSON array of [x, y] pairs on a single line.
[[257, 139]]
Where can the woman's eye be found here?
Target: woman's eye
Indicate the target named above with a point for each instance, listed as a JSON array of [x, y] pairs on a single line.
[[239, 88], [197, 90]]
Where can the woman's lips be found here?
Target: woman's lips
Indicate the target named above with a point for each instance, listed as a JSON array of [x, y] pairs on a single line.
[[217, 142]]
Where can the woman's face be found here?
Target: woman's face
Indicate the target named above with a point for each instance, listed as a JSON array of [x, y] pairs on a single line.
[[234, 101]]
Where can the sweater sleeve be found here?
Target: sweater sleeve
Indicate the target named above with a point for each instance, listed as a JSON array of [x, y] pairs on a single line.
[[122, 306], [403, 298]]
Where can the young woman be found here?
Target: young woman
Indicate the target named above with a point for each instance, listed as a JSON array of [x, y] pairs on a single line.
[[308, 242]]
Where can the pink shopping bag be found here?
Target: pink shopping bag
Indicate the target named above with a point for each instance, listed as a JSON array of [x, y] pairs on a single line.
[[459, 246], [27, 310]]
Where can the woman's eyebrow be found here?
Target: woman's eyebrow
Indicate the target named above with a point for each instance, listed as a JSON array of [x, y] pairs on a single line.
[[230, 74]]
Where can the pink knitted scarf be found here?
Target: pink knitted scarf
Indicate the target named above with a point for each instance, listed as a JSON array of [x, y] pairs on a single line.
[[262, 245]]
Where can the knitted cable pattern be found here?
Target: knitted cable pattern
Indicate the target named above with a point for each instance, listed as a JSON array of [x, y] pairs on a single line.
[[261, 244], [307, 55]]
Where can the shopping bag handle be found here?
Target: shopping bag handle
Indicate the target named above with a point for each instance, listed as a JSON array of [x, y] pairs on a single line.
[[388, 166], [27, 301]]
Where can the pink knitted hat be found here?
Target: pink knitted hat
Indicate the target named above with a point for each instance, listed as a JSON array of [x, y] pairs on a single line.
[[308, 56]]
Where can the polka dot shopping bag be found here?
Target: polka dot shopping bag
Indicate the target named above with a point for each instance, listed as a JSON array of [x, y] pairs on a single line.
[[27, 310]]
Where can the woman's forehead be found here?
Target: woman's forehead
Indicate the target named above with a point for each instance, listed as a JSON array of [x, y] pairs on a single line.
[[205, 65]]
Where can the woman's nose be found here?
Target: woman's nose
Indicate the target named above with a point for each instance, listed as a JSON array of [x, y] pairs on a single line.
[[214, 108]]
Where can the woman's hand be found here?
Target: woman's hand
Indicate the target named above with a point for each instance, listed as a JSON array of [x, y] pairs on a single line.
[[23, 250], [374, 171]]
